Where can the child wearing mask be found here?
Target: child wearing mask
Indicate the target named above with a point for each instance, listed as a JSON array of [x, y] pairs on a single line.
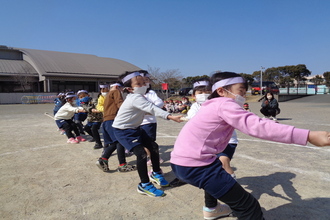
[[128, 132], [63, 119], [269, 106], [112, 104], [79, 118], [208, 133], [149, 123]]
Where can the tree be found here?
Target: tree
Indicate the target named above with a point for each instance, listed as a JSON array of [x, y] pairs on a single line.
[[172, 76], [317, 80], [24, 77], [188, 81], [327, 78], [248, 77]]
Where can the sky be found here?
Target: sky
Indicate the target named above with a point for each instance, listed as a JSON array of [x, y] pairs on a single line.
[[196, 37]]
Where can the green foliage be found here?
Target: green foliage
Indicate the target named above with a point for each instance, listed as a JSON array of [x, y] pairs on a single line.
[[248, 77], [284, 75], [188, 82], [326, 76]]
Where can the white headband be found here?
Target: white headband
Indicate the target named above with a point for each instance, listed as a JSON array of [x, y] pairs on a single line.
[[104, 86], [226, 82], [201, 83], [115, 84], [145, 75], [130, 76]]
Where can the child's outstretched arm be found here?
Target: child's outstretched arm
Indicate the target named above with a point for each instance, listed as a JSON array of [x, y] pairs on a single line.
[[319, 138], [176, 118]]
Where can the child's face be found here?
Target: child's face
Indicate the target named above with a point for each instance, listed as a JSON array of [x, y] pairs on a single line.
[[237, 89], [197, 92], [105, 90], [82, 95], [138, 81]]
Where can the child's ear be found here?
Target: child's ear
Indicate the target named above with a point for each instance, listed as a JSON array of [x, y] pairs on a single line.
[[221, 92], [129, 89]]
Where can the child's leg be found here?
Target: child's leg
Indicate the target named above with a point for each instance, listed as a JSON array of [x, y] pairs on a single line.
[[74, 128], [226, 164], [121, 153], [95, 132], [88, 129], [141, 161], [68, 130], [108, 150], [210, 201], [243, 204], [154, 155]]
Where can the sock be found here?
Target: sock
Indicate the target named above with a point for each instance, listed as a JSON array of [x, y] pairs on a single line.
[[207, 209], [122, 164], [104, 158]]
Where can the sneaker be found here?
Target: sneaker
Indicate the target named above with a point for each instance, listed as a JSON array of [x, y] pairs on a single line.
[[274, 118], [159, 179], [80, 139], [150, 172], [98, 146], [126, 168], [72, 141], [103, 165], [150, 190], [221, 210], [62, 132]]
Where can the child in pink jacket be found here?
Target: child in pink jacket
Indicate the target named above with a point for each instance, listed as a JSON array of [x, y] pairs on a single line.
[[208, 133]]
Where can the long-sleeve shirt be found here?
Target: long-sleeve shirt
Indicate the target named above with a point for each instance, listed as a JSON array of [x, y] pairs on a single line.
[[132, 111], [111, 105], [152, 97], [195, 108], [209, 131], [100, 103], [273, 104], [66, 112]]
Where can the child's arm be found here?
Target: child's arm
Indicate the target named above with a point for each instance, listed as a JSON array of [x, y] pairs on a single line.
[[319, 138], [176, 118]]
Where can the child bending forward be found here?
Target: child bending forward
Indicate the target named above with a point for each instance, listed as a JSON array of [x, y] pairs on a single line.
[[208, 133], [128, 132]]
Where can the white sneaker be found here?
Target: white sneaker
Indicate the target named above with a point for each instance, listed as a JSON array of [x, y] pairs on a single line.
[[221, 210]]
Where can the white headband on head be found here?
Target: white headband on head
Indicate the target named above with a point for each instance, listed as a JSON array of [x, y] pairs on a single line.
[[201, 83], [145, 75], [115, 84], [130, 76], [104, 86], [226, 82]]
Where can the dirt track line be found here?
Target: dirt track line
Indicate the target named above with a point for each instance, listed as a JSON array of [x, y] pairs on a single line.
[[32, 149], [323, 175]]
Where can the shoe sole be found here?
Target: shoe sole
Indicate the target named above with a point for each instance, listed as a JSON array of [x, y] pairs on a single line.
[[149, 194], [98, 164], [220, 216]]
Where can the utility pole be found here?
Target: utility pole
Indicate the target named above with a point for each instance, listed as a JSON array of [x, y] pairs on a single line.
[[261, 68]]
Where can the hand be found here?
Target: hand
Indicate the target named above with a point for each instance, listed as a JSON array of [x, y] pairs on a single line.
[[319, 138], [176, 118], [95, 110], [266, 102]]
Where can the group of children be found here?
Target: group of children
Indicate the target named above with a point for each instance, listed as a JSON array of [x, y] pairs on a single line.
[[203, 140], [177, 106]]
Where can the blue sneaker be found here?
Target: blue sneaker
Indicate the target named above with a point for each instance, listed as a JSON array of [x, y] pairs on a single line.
[[150, 190], [159, 179]]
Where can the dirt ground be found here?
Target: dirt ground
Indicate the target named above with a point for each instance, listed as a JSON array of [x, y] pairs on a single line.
[[43, 177]]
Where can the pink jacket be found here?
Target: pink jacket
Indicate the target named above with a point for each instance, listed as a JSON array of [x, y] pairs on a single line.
[[209, 131]]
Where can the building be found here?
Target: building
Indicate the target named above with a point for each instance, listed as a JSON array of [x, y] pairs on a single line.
[[29, 70]]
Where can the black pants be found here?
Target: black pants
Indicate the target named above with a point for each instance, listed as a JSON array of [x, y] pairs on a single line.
[[70, 126], [141, 160], [110, 148], [268, 112], [243, 204], [93, 130]]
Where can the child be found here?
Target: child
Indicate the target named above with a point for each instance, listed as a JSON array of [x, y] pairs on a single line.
[[63, 119], [104, 89], [246, 107], [149, 123], [83, 97], [112, 103], [128, 132], [208, 133], [94, 120], [59, 101]]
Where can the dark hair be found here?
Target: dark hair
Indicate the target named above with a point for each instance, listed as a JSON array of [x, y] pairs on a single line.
[[269, 93], [220, 76], [201, 88]]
